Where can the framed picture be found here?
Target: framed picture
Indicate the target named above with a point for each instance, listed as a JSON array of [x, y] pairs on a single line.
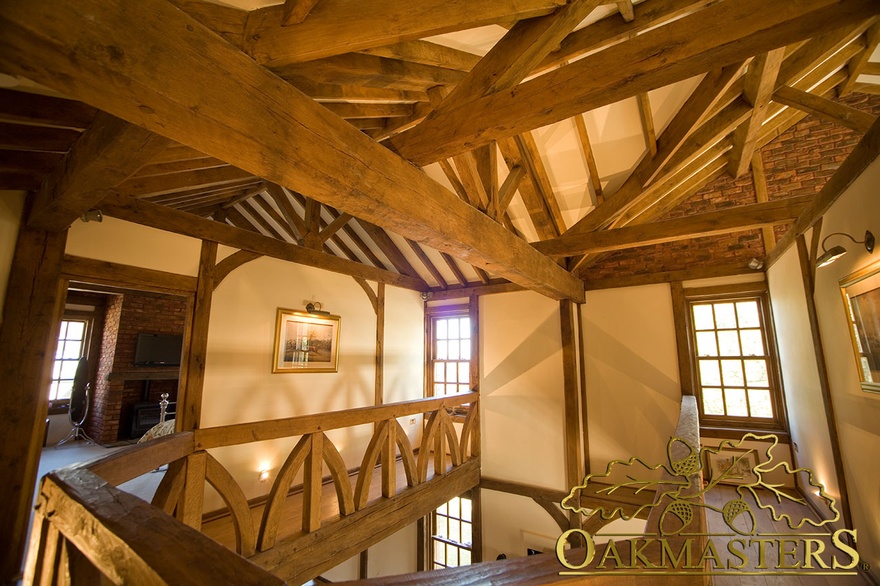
[[861, 299], [305, 342], [732, 466]]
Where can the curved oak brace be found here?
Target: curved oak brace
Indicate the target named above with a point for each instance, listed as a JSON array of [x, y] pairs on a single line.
[[272, 512], [220, 478], [340, 478], [470, 436], [451, 437], [406, 453], [171, 487], [554, 511], [371, 458], [232, 262], [427, 436]]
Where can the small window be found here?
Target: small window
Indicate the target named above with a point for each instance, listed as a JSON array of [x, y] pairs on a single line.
[[73, 338], [452, 531], [450, 350], [733, 360]]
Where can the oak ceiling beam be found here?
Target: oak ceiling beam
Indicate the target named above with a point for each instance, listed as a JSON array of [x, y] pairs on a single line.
[[858, 65], [342, 26], [163, 218], [760, 79], [531, 158], [536, 206], [738, 219], [371, 71], [610, 31], [724, 33], [326, 92], [633, 191], [159, 184], [420, 254], [824, 108], [427, 53], [36, 109], [517, 53], [105, 155], [296, 11], [226, 21], [596, 196], [200, 91]]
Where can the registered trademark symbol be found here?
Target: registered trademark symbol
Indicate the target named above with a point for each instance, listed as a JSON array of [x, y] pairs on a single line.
[[864, 566]]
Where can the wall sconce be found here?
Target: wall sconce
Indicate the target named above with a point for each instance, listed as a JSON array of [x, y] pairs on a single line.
[[828, 256], [92, 216], [264, 475], [315, 307], [756, 264]]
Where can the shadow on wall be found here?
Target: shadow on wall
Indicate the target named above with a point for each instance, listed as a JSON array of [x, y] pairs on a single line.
[[621, 358], [536, 347]]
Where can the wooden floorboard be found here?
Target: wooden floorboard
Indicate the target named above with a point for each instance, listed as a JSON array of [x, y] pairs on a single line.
[[767, 525]]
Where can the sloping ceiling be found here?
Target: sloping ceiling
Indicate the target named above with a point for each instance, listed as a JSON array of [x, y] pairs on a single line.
[[573, 126]]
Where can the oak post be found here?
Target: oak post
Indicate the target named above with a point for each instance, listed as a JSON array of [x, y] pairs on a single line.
[[380, 345], [192, 372], [571, 419], [312, 481], [31, 313]]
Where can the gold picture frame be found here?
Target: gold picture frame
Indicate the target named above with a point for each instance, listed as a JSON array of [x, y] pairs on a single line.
[[861, 300], [305, 342]]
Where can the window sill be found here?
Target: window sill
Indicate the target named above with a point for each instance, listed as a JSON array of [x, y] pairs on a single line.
[[737, 432], [59, 408]]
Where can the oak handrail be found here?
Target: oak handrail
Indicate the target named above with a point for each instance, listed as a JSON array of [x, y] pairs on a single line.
[[128, 540], [242, 433]]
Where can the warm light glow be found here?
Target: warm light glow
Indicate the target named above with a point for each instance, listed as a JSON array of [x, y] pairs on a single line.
[[264, 475]]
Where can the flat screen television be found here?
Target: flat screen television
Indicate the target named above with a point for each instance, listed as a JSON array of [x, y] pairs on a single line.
[[158, 349]]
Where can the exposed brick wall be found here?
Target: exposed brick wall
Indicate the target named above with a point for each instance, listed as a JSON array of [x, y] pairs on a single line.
[[102, 424], [127, 316], [797, 162]]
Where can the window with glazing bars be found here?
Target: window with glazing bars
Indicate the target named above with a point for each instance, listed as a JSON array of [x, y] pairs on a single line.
[[72, 338], [734, 362], [452, 527], [450, 352]]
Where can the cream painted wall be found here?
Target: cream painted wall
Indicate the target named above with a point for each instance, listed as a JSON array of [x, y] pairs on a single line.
[[240, 386], [633, 389], [800, 376], [132, 244], [521, 413], [11, 206], [521, 389], [857, 412]]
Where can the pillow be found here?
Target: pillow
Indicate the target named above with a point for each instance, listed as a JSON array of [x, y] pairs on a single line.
[[158, 430]]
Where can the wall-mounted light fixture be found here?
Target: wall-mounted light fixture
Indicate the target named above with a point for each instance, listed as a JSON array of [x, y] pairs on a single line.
[[315, 307], [264, 475], [92, 216], [830, 255], [756, 264]]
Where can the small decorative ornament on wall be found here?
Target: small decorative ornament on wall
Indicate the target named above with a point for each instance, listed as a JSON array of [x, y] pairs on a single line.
[[306, 342]]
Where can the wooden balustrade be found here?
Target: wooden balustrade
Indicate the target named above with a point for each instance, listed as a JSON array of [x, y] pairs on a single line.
[[116, 521]]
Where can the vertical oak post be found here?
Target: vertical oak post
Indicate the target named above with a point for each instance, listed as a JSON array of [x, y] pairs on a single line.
[[312, 483], [571, 404], [380, 345], [192, 373], [28, 336]]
